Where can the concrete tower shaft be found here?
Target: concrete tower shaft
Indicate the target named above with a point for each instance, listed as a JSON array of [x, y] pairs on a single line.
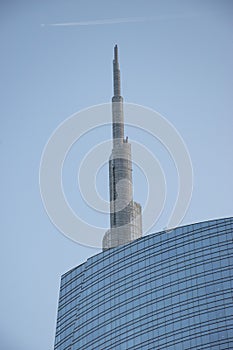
[[116, 74], [117, 103], [125, 214]]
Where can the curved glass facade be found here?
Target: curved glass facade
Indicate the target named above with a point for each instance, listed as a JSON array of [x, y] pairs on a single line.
[[169, 290]]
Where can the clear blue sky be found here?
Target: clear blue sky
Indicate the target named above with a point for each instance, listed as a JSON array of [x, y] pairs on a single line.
[[179, 64]]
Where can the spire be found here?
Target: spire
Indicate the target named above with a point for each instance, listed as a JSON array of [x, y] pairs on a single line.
[[116, 53], [116, 73], [117, 102], [125, 214]]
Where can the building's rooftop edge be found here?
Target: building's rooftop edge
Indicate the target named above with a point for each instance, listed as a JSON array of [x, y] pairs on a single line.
[[110, 251]]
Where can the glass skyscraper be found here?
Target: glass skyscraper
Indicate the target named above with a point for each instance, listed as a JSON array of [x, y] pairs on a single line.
[[168, 290]]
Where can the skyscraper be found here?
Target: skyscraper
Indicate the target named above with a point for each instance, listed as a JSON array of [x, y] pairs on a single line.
[[168, 290], [125, 214]]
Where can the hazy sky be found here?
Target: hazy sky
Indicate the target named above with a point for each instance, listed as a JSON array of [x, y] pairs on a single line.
[[176, 58]]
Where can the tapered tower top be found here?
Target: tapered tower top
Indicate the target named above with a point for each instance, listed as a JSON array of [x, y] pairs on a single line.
[[116, 53], [116, 74], [125, 214]]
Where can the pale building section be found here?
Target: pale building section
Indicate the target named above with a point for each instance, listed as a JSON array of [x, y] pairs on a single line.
[[125, 214]]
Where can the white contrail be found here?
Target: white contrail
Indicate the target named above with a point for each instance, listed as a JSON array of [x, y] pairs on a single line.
[[117, 20], [99, 22]]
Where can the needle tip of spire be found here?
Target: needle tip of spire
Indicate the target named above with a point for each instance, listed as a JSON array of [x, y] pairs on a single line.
[[116, 53]]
